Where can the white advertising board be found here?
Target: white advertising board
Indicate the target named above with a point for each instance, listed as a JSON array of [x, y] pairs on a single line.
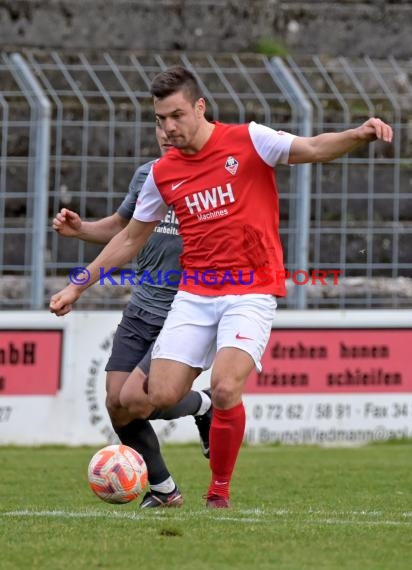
[[52, 380], [328, 377]]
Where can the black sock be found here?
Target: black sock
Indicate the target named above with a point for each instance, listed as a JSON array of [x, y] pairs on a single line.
[[140, 435], [187, 406]]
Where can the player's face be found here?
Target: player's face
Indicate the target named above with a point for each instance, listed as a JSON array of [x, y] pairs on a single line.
[[162, 139], [179, 118]]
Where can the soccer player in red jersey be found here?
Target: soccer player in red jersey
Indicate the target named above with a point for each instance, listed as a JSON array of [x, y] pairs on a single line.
[[220, 181], [126, 400]]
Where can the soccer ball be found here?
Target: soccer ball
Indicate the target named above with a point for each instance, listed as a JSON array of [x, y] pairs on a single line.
[[117, 474]]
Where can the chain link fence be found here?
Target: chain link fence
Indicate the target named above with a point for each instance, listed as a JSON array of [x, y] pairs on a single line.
[[75, 126]]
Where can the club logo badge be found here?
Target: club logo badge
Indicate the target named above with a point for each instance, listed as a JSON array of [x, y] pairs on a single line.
[[231, 165]]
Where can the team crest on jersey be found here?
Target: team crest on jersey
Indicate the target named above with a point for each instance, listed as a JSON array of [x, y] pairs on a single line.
[[231, 165]]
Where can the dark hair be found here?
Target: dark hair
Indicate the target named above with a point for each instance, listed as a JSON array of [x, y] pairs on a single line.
[[175, 79]]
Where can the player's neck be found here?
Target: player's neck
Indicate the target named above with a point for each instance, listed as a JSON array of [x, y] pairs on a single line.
[[202, 136]]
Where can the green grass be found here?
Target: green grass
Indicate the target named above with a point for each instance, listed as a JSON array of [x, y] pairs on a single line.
[[295, 508]]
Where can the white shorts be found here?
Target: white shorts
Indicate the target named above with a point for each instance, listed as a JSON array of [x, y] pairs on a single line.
[[198, 326]]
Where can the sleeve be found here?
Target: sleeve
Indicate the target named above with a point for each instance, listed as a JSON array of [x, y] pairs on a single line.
[[126, 208], [272, 146], [150, 206]]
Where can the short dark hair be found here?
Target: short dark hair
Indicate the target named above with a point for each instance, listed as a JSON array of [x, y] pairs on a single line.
[[175, 79]]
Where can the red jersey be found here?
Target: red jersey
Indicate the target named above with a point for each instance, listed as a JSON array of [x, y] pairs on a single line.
[[226, 200]]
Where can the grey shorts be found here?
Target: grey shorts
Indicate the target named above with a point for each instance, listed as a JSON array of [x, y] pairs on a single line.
[[133, 341]]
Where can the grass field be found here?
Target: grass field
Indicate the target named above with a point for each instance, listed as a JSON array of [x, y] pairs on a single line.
[[295, 508]]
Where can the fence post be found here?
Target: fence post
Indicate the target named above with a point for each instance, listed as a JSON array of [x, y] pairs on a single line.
[[40, 110], [298, 100]]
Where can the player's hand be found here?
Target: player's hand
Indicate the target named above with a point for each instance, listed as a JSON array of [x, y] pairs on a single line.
[[62, 302], [67, 223], [374, 129]]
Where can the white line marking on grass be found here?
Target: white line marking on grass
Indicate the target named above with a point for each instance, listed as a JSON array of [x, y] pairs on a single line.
[[363, 523], [265, 517], [100, 514], [73, 515]]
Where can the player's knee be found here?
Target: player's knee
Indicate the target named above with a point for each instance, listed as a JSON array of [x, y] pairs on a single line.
[[162, 398], [226, 393], [136, 406], [113, 406]]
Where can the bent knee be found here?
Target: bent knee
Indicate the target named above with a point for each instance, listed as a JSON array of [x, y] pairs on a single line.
[[136, 406], [226, 393], [162, 398], [113, 406]]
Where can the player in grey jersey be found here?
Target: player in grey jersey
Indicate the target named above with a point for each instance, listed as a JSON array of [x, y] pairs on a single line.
[[126, 400]]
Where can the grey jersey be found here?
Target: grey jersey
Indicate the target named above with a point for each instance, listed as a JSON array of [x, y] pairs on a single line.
[[158, 263]]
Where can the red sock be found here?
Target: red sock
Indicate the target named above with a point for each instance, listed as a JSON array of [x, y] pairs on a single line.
[[226, 436]]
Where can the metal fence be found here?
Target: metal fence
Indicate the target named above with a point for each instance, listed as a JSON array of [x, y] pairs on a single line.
[[74, 127]]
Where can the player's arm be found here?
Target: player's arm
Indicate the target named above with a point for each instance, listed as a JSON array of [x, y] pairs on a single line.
[[69, 224], [328, 146], [120, 250]]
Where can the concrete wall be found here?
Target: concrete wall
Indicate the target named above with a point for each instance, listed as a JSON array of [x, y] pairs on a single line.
[[373, 27]]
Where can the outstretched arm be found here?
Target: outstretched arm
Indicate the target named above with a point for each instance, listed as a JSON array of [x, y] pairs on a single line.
[[328, 146], [120, 250], [69, 224]]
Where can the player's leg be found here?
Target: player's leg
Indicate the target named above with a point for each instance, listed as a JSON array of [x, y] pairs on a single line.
[[243, 333], [196, 403], [230, 370], [239, 326], [132, 339], [115, 380], [185, 345], [163, 490], [129, 408], [131, 342], [169, 382], [181, 351], [134, 397]]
